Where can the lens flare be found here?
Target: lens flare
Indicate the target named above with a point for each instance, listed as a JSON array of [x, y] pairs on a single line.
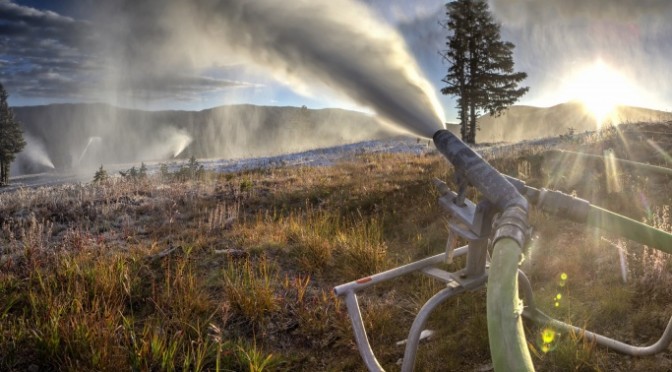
[[613, 171], [548, 335], [563, 280], [660, 150], [548, 339]]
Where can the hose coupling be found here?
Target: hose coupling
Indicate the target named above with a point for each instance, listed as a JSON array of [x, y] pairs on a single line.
[[512, 223]]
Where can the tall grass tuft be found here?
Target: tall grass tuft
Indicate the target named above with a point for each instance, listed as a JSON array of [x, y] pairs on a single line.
[[249, 290], [655, 267]]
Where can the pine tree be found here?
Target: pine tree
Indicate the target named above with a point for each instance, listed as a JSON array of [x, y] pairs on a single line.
[[481, 74], [11, 137], [142, 173], [101, 175]]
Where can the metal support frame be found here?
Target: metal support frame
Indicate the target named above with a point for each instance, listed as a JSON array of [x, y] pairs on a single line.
[[473, 223], [533, 313], [349, 291], [468, 221]]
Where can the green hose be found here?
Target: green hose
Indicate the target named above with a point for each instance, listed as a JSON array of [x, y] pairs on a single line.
[[629, 228], [508, 346]]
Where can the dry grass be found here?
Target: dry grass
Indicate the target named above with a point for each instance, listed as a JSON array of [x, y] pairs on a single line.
[[234, 271]]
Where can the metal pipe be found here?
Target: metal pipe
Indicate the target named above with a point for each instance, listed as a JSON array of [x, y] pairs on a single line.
[[629, 228], [533, 313], [630, 163], [349, 290], [413, 340], [661, 345], [508, 346], [579, 210], [360, 334], [359, 284]]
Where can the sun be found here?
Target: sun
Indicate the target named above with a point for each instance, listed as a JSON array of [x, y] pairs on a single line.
[[600, 88]]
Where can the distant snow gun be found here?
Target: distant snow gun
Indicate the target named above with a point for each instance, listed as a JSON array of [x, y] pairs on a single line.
[[498, 221]]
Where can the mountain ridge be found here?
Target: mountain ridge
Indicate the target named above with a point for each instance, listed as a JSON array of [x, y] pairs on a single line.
[[524, 122]]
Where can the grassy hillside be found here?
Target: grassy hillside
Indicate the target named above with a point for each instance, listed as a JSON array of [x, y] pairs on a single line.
[[528, 122], [204, 271], [124, 136]]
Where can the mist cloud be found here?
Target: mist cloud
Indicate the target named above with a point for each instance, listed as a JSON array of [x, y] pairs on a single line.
[[337, 46], [521, 12], [554, 37]]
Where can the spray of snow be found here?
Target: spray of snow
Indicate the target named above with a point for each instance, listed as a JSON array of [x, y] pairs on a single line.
[[169, 143], [180, 140], [35, 152], [92, 140], [337, 46]]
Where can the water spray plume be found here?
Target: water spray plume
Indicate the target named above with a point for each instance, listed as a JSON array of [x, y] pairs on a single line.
[[92, 140], [310, 45], [35, 152], [168, 142], [180, 141], [338, 43]]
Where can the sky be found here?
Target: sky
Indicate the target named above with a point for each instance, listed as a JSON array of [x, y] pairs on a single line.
[[92, 51]]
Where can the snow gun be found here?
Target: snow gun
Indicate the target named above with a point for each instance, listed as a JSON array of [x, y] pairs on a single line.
[[498, 223]]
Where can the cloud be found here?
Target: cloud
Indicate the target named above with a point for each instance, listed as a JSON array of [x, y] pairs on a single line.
[[172, 86], [41, 50], [45, 54], [405, 11]]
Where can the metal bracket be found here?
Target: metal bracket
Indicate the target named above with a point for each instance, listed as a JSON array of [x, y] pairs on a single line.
[[471, 222], [466, 220]]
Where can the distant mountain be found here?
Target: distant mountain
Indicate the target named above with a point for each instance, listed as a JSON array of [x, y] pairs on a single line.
[[88, 135], [528, 122]]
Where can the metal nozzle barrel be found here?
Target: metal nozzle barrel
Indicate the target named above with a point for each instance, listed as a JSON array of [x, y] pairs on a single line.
[[492, 184]]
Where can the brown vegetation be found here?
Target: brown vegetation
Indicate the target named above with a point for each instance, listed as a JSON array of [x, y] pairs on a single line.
[[234, 271]]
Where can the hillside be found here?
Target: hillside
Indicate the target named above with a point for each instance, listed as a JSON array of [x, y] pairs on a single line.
[[117, 135], [88, 135], [529, 122]]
